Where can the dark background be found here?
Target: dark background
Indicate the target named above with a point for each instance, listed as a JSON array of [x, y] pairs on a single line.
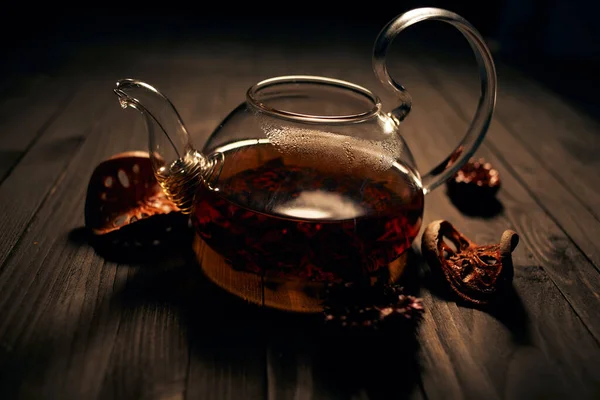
[[556, 41]]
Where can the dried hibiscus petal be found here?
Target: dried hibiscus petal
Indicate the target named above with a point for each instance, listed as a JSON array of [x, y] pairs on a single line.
[[370, 306], [477, 274]]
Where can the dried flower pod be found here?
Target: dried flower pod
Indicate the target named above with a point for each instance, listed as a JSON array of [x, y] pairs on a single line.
[[477, 274], [126, 210], [123, 190], [475, 180]]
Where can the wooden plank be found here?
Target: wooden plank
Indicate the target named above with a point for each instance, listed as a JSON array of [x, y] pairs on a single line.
[[30, 105], [50, 287], [62, 304], [520, 350], [227, 355], [577, 221], [151, 352], [226, 347], [303, 362], [553, 225], [571, 139], [59, 308], [85, 327], [522, 331], [468, 353], [561, 139], [224, 83], [295, 368], [227, 336], [466, 370], [307, 362], [44, 99], [22, 193]]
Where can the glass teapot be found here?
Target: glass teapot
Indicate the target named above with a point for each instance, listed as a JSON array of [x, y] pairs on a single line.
[[308, 179]]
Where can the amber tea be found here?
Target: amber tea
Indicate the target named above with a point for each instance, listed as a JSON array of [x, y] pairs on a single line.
[[293, 217], [323, 186]]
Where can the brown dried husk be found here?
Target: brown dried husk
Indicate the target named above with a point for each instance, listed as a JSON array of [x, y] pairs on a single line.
[[127, 212], [477, 274], [123, 190]]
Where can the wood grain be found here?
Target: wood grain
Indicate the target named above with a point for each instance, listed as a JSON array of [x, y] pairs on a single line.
[[76, 324], [433, 121], [44, 99], [49, 153], [448, 369], [573, 217], [59, 296], [464, 372], [226, 335], [38, 172], [554, 246], [572, 158], [532, 311], [45, 286], [562, 140], [158, 305]]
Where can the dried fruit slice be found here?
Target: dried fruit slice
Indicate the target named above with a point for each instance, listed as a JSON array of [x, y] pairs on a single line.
[[130, 217], [477, 274], [123, 190]]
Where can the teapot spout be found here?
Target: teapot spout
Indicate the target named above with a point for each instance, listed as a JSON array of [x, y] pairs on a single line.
[[177, 166]]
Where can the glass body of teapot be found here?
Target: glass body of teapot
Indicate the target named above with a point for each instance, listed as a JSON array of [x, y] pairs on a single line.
[[308, 179]]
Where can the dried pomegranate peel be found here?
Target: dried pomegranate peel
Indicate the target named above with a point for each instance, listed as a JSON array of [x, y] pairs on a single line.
[[477, 274], [123, 190]]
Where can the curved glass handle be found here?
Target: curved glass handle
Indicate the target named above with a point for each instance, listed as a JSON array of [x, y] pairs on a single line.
[[487, 101]]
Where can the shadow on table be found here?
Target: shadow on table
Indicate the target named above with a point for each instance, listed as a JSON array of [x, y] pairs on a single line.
[[268, 350], [508, 309], [477, 208], [162, 266], [247, 345], [292, 352], [159, 240]]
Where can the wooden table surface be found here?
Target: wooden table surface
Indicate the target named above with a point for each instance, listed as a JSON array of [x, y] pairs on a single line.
[[75, 325]]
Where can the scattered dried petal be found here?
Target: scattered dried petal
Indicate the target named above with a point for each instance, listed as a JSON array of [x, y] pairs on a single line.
[[370, 306]]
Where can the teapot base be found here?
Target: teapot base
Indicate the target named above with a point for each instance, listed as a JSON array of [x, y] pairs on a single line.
[[285, 295]]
